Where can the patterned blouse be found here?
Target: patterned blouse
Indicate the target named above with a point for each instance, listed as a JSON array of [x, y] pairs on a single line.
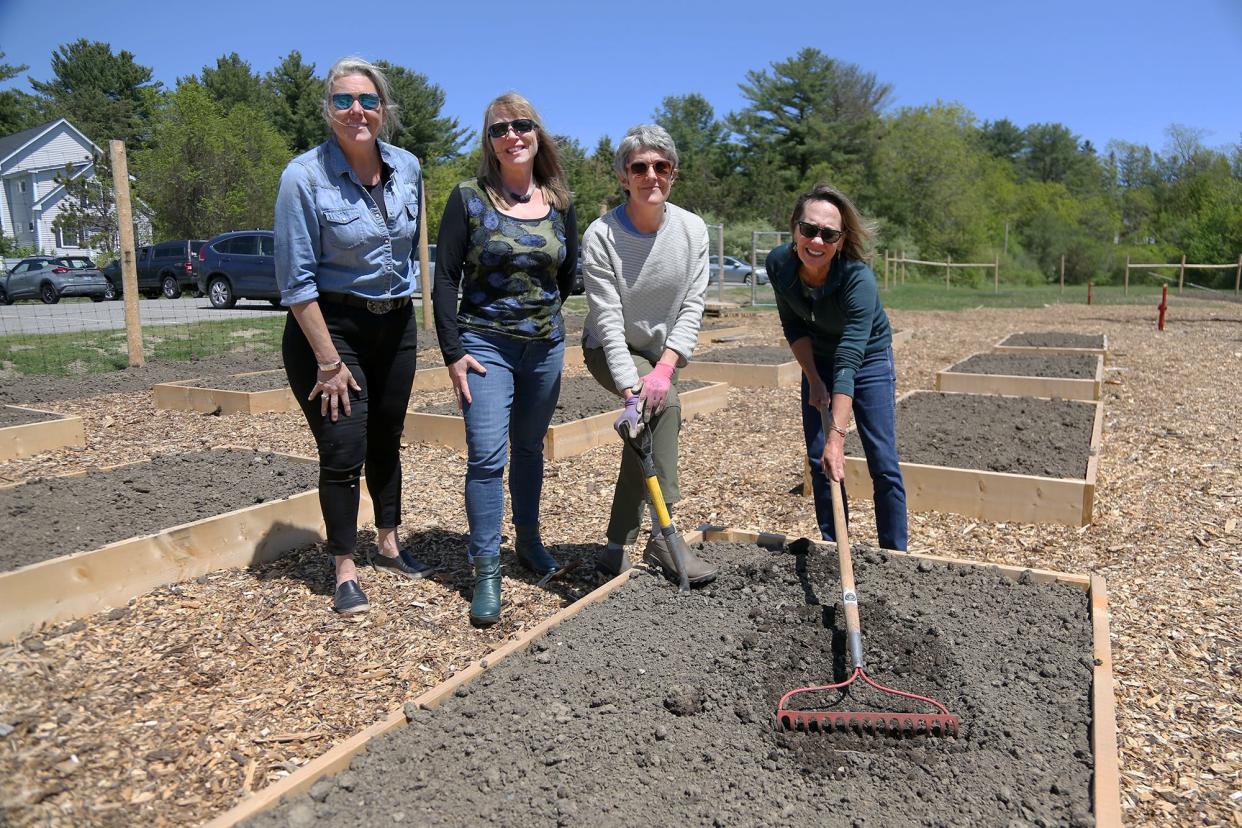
[[512, 273]]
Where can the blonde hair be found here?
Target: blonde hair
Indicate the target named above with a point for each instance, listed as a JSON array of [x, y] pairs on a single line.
[[352, 65], [858, 230], [547, 173]]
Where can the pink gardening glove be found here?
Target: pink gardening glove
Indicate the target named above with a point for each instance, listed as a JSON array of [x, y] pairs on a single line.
[[656, 385]]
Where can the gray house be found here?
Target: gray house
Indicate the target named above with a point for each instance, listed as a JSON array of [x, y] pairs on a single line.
[[30, 197]]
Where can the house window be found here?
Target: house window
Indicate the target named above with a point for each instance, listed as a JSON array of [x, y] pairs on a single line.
[[30, 226], [21, 186], [60, 237]]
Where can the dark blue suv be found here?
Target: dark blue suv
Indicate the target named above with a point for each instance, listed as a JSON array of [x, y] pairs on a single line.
[[238, 265]]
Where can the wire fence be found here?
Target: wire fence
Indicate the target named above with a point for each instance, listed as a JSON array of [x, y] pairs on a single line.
[[67, 335], [763, 242]]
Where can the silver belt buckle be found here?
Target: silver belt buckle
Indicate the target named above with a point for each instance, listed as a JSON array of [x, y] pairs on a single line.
[[379, 306]]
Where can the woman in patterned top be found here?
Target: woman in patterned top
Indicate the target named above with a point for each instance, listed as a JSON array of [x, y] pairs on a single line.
[[509, 241]]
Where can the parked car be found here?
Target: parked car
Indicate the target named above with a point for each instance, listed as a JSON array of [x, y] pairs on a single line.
[[50, 277], [237, 265], [112, 272], [735, 270], [167, 268]]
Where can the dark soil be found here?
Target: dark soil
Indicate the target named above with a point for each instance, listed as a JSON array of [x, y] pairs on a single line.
[[260, 382], [48, 518], [654, 709], [1068, 366], [1019, 435], [13, 417], [748, 355], [581, 397], [1055, 339], [34, 389]]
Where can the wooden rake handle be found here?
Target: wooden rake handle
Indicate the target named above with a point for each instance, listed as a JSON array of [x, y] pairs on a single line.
[[849, 595]]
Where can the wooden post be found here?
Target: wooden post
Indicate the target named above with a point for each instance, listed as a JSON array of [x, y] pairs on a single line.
[[996, 274], [129, 270], [948, 261], [1237, 278], [424, 264], [1127, 287], [720, 258], [1181, 276], [886, 254]]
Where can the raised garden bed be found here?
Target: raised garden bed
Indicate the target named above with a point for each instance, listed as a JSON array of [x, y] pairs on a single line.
[[79, 544], [902, 337], [1067, 376], [992, 457], [259, 392], [1055, 342], [25, 432], [751, 366], [717, 331], [583, 419], [649, 703]]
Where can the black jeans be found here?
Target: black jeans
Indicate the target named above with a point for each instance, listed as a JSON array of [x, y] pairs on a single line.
[[381, 351]]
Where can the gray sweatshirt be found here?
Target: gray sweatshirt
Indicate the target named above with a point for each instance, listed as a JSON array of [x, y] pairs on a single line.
[[644, 292]]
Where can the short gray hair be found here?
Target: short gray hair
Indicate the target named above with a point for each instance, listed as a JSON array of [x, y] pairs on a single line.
[[353, 65], [644, 136]]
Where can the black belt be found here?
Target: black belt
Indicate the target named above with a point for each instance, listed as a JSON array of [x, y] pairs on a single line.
[[376, 306]]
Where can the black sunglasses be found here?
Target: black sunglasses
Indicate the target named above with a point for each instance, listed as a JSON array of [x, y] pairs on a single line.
[[342, 101], [830, 235], [500, 129], [662, 168]]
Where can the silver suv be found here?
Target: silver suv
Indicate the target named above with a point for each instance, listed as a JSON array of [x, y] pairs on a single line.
[[50, 277]]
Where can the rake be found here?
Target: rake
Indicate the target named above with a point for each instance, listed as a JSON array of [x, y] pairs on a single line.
[[940, 723]]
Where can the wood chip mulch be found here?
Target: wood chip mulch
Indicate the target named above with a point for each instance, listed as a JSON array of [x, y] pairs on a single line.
[[173, 709]]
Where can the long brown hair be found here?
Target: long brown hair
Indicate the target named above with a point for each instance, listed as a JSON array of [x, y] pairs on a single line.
[[548, 175], [858, 230]]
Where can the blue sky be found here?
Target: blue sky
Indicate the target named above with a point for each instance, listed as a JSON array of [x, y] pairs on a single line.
[[1108, 69]]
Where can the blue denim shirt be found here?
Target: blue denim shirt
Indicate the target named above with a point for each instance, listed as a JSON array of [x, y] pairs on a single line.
[[331, 236]]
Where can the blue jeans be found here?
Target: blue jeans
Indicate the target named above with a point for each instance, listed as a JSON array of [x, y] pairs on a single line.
[[512, 405], [875, 413]]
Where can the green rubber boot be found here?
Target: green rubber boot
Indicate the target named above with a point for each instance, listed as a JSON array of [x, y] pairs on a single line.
[[531, 552], [485, 605]]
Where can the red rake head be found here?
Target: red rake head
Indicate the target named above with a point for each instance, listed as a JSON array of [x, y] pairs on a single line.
[[941, 723]]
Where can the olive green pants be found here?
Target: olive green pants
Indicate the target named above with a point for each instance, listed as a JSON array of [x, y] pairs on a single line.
[[631, 493]]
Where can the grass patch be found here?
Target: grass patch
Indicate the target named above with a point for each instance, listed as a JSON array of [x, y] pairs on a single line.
[[926, 296], [88, 352]]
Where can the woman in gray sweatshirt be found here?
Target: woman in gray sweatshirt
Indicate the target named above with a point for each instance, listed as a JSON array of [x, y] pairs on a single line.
[[644, 266]]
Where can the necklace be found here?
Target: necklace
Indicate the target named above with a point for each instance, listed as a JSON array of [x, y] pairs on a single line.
[[520, 199]]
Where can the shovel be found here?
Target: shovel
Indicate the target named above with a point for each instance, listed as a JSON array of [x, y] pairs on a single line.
[[640, 443]]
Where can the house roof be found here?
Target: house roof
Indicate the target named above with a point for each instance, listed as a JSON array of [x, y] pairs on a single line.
[[11, 144]]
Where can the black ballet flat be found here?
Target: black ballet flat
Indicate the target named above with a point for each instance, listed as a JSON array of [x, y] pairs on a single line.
[[404, 564], [350, 599]]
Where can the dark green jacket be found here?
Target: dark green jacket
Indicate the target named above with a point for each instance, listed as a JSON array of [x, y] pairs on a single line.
[[843, 317]]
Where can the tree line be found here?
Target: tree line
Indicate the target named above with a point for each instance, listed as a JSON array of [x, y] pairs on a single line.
[[938, 181]]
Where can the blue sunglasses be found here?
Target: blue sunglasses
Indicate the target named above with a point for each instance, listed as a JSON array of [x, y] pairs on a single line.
[[342, 101]]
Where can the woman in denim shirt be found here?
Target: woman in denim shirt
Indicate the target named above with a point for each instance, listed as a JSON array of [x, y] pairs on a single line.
[[346, 230], [509, 241]]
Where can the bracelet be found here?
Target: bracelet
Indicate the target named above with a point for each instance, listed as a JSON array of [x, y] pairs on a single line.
[[837, 429], [328, 367]]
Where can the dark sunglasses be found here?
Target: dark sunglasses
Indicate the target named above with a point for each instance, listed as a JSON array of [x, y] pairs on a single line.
[[662, 168], [520, 126], [342, 101], [830, 235]]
